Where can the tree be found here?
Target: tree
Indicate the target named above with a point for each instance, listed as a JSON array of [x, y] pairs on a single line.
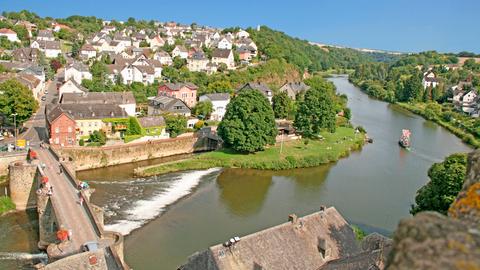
[[144, 44], [203, 108], [281, 105], [98, 137], [249, 124], [446, 180], [55, 65], [76, 47], [98, 69], [315, 113], [222, 67], [413, 89], [175, 124], [179, 62], [16, 98], [134, 127]]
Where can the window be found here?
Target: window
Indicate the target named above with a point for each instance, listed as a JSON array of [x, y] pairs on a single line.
[[57, 130], [57, 140], [69, 129]]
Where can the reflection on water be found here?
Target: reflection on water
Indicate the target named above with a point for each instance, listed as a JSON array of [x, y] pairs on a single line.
[[243, 191]]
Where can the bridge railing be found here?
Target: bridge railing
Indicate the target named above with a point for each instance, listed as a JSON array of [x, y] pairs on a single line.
[[117, 246]]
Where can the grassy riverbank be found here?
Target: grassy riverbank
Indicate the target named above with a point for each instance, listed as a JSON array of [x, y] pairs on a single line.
[[294, 154], [3, 179], [461, 125], [6, 204]]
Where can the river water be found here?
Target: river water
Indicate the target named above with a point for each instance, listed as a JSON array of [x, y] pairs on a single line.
[[167, 218]]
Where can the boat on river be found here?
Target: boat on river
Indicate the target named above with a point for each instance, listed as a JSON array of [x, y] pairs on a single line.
[[405, 139]]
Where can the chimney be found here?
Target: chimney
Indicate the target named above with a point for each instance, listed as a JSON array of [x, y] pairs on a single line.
[[322, 208], [293, 218]]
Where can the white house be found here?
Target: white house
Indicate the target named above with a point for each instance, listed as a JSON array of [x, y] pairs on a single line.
[[71, 86], [9, 34], [163, 57], [78, 72], [219, 103], [242, 34], [180, 51], [131, 73], [51, 49], [225, 43], [156, 42], [469, 97], [429, 80], [224, 56], [88, 51], [198, 62]]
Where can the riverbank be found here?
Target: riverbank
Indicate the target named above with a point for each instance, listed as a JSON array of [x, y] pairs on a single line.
[[6, 205], [290, 155], [457, 126]]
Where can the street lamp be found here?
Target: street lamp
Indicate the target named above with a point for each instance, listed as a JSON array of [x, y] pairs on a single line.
[[15, 125]]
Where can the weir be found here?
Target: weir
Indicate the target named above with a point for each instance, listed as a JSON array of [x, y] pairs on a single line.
[[63, 208]]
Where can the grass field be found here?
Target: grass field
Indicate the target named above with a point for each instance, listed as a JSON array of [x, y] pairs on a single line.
[[294, 154]]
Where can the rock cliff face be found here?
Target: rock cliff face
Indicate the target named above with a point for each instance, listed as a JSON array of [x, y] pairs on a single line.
[[433, 241]]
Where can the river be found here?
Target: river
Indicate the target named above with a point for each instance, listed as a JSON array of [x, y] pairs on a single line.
[[372, 188]]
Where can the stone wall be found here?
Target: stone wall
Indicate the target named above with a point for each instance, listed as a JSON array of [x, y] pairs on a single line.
[[430, 240], [97, 157], [7, 158], [22, 184]]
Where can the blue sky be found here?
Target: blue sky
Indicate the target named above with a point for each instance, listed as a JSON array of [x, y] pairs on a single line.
[[400, 25]]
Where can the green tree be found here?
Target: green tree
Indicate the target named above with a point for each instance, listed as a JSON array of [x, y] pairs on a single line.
[[281, 105], [249, 124], [98, 69], [175, 125], [134, 127], [16, 98], [144, 44], [446, 180], [98, 137], [315, 113], [178, 62], [203, 108], [413, 89]]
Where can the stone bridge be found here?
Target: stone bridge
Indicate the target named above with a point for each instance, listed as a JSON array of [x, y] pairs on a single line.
[[60, 209]]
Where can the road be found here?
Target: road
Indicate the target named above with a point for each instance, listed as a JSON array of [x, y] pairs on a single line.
[[36, 131]]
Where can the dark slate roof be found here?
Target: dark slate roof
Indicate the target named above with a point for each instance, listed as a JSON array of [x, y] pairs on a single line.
[[199, 56], [295, 87], [218, 96], [296, 244], [49, 45], [79, 66], [167, 104], [116, 98], [177, 86], [45, 33], [263, 88], [221, 53], [86, 111], [151, 121]]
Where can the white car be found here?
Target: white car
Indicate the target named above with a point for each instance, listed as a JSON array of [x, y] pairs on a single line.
[[2, 138]]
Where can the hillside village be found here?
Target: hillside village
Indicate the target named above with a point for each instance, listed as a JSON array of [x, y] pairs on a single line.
[[131, 57]]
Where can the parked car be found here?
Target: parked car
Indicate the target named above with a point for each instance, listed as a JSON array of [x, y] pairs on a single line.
[[2, 138], [46, 92], [90, 246], [44, 98]]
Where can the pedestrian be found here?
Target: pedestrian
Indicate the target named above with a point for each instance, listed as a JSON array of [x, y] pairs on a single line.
[[81, 200], [69, 233]]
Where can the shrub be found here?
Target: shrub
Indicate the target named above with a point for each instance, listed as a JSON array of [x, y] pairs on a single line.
[[199, 125], [81, 142]]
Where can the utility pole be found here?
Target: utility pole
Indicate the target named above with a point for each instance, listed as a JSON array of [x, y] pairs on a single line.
[[15, 126]]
